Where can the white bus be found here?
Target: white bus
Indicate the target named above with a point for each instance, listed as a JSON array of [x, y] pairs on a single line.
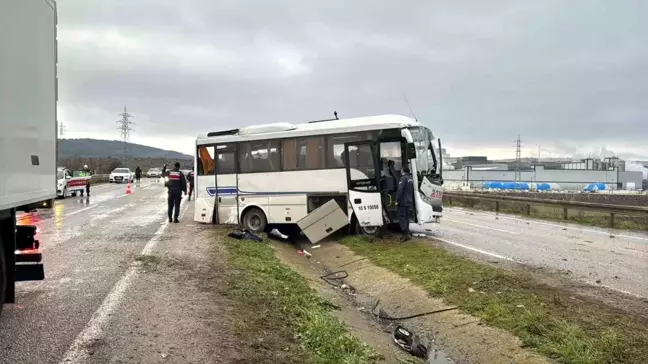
[[278, 173]]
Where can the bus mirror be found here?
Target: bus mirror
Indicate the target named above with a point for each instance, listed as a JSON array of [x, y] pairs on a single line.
[[411, 150]]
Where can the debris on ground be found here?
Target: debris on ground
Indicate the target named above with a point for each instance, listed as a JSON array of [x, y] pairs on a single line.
[[278, 234], [244, 235], [409, 342]]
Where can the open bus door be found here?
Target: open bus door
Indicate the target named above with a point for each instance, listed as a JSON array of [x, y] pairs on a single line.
[[205, 185], [363, 181]]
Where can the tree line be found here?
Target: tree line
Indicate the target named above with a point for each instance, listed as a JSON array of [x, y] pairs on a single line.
[[107, 165]]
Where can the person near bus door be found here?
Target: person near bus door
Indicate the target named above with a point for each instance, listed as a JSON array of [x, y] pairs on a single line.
[[176, 183], [138, 174], [405, 202], [191, 178]]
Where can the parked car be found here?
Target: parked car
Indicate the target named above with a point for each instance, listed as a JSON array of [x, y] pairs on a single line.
[[154, 173], [119, 175]]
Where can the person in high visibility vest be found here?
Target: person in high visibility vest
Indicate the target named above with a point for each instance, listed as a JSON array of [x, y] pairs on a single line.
[[86, 173]]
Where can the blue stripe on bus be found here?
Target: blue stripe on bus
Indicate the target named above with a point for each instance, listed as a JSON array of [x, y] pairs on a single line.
[[224, 191]]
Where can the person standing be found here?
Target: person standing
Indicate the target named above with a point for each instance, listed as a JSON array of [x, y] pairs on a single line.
[[405, 202], [191, 177], [86, 173], [138, 174], [176, 183]]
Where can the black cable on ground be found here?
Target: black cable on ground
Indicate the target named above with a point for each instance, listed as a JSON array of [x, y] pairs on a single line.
[[328, 277], [387, 318]]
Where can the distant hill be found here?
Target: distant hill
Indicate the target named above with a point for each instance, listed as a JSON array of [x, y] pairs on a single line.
[[96, 148]]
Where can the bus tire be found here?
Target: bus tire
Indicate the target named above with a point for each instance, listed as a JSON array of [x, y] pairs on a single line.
[[254, 220], [3, 275], [374, 231]]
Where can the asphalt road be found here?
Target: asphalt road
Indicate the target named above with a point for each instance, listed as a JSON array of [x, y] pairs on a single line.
[[615, 259], [89, 250]]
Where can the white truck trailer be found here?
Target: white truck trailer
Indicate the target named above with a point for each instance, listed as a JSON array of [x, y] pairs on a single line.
[[28, 98]]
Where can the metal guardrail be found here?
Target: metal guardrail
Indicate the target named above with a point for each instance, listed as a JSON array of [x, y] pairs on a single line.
[[99, 178], [565, 205]]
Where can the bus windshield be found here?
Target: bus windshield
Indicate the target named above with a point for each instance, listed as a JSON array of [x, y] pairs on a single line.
[[426, 160]]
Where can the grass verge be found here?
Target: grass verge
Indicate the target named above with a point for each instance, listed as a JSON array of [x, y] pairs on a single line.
[[276, 307], [589, 218], [558, 325]]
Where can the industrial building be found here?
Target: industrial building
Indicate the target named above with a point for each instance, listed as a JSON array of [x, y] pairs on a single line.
[[609, 174]]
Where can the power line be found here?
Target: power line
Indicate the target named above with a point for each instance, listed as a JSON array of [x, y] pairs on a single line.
[[125, 128]]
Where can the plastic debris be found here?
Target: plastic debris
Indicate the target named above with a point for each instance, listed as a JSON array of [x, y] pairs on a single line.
[[278, 234], [316, 246]]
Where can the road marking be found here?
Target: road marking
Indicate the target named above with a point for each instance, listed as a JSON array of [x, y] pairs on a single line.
[[566, 226], [78, 351], [483, 227], [79, 211], [494, 255]]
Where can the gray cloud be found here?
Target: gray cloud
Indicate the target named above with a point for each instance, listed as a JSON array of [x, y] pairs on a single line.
[[478, 73]]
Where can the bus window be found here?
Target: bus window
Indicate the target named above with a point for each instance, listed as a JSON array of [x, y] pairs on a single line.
[[259, 156], [205, 160], [311, 153], [226, 162], [289, 154], [335, 146]]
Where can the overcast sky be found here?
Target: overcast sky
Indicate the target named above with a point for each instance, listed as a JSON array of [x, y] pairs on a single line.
[[570, 76]]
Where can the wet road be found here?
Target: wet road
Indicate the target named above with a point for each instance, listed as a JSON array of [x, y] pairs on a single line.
[[615, 259], [88, 247]]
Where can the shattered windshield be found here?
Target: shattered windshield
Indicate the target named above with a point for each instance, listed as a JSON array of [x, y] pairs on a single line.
[[425, 160]]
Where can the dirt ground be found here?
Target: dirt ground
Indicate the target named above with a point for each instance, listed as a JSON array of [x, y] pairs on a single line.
[[450, 336]]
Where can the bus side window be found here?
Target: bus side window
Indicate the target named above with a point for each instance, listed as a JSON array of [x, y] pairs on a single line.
[[259, 156], [206, 160]]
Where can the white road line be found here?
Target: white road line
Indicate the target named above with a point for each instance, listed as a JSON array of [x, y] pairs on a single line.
[[494, 255], [483, 227], [535, 221], [79, 211], [78, 351]]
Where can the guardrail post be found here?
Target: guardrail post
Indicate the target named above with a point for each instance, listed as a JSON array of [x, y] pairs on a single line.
[[565, 214], [611, 219], [497, 206]]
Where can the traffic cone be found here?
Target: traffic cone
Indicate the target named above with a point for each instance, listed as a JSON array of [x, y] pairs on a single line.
[[128, 189]]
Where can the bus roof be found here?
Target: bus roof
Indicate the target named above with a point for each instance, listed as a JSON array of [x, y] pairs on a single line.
[[287, 130]]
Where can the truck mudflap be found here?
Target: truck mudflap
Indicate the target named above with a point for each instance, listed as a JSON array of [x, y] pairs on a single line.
[[29, 266]]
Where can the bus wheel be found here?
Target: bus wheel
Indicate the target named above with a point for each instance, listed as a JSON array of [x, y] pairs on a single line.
[[368, 230], [254, 220], [3, 276]]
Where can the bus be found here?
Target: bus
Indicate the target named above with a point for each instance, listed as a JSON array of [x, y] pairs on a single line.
[[278, 173]]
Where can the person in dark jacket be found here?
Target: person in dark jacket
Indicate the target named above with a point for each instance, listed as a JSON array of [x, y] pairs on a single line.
[[405, 202], [138, 174], [191, 178], [176, 182]]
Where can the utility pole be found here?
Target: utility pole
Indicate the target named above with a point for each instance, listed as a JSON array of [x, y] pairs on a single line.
[[518, 160], [125, 128], [61, 130]]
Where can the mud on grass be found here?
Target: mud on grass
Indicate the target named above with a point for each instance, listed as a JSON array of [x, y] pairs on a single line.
[[554, 322], [279, 316]]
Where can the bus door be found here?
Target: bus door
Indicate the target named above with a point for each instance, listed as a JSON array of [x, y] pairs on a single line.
[[205, 185], [363, 181], [391, 165]]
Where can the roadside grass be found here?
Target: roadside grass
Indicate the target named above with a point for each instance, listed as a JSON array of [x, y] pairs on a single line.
[[562, 327], [590, 218], [276, 307]]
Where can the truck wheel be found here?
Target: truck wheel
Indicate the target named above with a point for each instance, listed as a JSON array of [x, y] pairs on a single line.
[[3, 276], [254, 220]]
